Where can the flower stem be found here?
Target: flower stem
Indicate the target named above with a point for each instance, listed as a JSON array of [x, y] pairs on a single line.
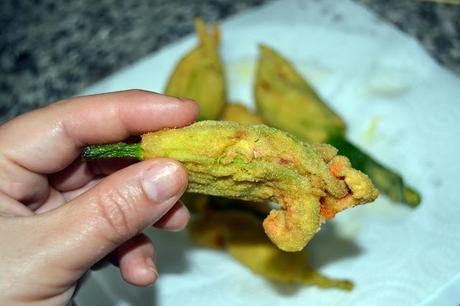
[[115, 150]]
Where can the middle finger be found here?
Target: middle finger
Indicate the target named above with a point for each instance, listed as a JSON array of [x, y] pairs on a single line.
[[80, 173]]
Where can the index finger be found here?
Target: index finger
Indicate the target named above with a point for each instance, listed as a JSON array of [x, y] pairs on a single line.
[[47, 140]]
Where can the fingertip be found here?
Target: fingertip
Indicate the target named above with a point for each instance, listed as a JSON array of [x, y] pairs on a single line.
[[169, 111], [139, 274], [194, 108], [164, 181], [137, 262], [176, 219], [181, 172], [151, 265]]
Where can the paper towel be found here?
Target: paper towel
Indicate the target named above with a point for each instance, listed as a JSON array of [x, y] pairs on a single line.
[[399, 105]]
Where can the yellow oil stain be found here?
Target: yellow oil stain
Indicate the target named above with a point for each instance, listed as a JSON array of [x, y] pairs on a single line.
[[241, 71], [371, 131]]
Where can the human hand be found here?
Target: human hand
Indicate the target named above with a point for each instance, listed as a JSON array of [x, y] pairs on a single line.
[[59, 215]]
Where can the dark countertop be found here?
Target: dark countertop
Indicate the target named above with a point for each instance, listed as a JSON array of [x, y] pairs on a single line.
[[51, 50]]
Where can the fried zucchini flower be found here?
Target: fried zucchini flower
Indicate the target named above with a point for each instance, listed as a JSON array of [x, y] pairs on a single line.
[[286, 101], [239, 233], [258, 163], [237, 112], [199, 75]]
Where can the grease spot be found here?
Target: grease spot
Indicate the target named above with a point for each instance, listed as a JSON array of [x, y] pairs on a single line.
[[389, 79], [370, 134]]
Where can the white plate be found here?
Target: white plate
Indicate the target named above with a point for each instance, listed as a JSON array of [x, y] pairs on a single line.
[[372, 75]]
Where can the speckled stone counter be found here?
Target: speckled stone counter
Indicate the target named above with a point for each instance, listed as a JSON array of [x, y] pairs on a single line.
[[436, 26], [50, 49]]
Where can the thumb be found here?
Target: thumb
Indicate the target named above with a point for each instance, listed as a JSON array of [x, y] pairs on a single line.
[[120, 206]]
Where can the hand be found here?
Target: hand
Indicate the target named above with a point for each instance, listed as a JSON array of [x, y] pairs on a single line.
[[59, 216]]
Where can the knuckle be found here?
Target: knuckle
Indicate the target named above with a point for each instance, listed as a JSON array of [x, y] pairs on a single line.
[[23, 192], [118, 210]]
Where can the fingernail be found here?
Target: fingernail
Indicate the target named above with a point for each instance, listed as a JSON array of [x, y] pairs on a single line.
[[183, 214], [152, 266], [162, 182], [150, 263]]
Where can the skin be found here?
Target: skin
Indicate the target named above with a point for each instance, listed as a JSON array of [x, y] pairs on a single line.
[[59, 215]]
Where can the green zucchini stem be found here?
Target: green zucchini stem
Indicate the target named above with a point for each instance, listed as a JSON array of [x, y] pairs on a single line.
[[116, 150]]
